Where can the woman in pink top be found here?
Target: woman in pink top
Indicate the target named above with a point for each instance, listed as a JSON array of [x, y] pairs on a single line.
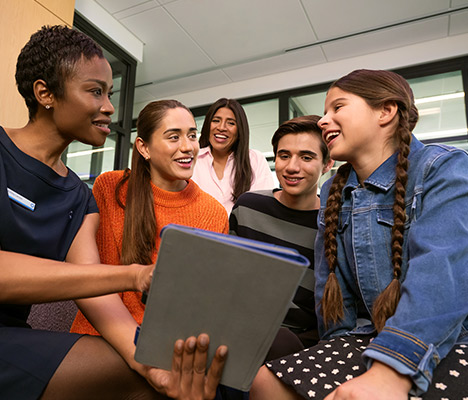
[[226, 167]]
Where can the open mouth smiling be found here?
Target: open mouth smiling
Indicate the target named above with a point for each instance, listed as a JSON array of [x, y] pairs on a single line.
[[187, 160], [328, 137]]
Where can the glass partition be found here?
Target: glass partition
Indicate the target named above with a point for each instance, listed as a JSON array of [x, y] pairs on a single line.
[[441, 103]]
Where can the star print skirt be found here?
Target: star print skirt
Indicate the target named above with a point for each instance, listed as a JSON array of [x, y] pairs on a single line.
[[316, 372]]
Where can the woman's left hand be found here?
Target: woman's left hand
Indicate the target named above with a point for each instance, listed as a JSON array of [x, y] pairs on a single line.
[[380, 382], [188, 379]]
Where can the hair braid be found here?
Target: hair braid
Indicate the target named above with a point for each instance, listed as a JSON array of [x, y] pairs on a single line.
[[385, 305], [332, 300]]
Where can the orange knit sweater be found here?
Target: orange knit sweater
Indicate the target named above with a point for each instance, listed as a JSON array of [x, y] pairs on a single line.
[[189, 207]]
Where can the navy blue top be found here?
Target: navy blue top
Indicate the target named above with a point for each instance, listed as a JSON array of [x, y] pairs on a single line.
[[40, 212]]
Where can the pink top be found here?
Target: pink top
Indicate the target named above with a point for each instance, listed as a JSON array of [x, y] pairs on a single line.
[[205, 176]]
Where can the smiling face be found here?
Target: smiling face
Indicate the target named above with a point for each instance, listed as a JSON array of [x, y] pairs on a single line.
[[83, 113], [223, 131], [350, 126], [299, 166], [172, 150], [358, 133]]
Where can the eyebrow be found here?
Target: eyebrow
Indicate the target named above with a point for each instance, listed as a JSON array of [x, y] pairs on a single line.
[[336, 101], [229, 119], [177, 130], [99, 82], [301, 152]]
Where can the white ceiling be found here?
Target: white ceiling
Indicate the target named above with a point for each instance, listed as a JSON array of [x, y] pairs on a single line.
[[190, 45]]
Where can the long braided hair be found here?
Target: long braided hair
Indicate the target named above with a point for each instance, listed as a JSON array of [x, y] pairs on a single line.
[[376, 88]]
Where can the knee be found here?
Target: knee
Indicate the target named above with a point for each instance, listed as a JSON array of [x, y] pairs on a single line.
[[263, 384]]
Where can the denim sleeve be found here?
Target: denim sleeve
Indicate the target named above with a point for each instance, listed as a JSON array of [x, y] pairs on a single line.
[[433, 305]]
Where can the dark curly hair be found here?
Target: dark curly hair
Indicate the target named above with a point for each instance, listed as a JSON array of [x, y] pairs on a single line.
[[51, 54]]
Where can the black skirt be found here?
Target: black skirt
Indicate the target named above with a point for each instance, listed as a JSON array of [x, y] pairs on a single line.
[[29, 359]]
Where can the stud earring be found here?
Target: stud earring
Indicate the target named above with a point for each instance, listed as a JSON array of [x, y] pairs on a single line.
[[47, 106], [147, 158]]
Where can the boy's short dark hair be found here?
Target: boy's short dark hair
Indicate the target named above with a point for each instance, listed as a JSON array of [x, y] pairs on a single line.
[[304, 124]]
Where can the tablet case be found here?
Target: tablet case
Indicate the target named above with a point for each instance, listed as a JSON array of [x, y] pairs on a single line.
[[236, 290]]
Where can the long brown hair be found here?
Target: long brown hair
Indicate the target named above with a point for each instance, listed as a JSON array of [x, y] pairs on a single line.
[[139, 232], [376, 88], [243, 169]]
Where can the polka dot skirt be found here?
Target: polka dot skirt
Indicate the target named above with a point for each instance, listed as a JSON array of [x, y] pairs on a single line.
[[316, 372]]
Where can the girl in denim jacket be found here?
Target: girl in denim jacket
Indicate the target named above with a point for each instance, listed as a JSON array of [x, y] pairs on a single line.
[[392, 276]]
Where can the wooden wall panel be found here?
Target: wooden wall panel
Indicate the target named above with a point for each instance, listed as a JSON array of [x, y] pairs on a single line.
[[63, 9], [19, 20]]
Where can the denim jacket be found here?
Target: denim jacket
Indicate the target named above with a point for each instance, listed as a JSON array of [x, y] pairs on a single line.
[[432, 313]]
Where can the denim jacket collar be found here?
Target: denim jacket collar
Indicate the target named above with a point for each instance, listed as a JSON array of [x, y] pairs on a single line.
[[383, 177]]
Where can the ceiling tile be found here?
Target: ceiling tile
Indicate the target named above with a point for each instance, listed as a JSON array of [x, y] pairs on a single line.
[[148, 5], [113, 6], [458, 23], [243, 30], [187, 84], [335, 18], [285, 62], [168, 51], [142, 95], [457, 3], [387, 39]]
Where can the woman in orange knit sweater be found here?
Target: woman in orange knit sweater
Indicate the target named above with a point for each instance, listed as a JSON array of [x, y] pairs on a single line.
[[135, 205]]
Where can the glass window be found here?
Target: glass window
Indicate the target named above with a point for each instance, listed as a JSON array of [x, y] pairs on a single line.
[[263, 122], [88, 161], [441, 103], [308, 104], [199, 121]]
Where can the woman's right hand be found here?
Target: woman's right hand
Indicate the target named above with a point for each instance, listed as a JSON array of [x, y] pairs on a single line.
[[188, 379]]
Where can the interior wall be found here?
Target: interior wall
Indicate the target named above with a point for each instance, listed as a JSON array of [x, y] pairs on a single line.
[[20, 19]]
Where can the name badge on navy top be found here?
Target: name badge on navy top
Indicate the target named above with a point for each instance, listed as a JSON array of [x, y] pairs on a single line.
[[17, 198]]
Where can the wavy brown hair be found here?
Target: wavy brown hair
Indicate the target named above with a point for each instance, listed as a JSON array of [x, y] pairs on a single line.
[[242, 166], [376, 88], [139, 232], [303, 124]]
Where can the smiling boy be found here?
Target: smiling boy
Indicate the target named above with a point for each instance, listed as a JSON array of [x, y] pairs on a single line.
[[288, 217]]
